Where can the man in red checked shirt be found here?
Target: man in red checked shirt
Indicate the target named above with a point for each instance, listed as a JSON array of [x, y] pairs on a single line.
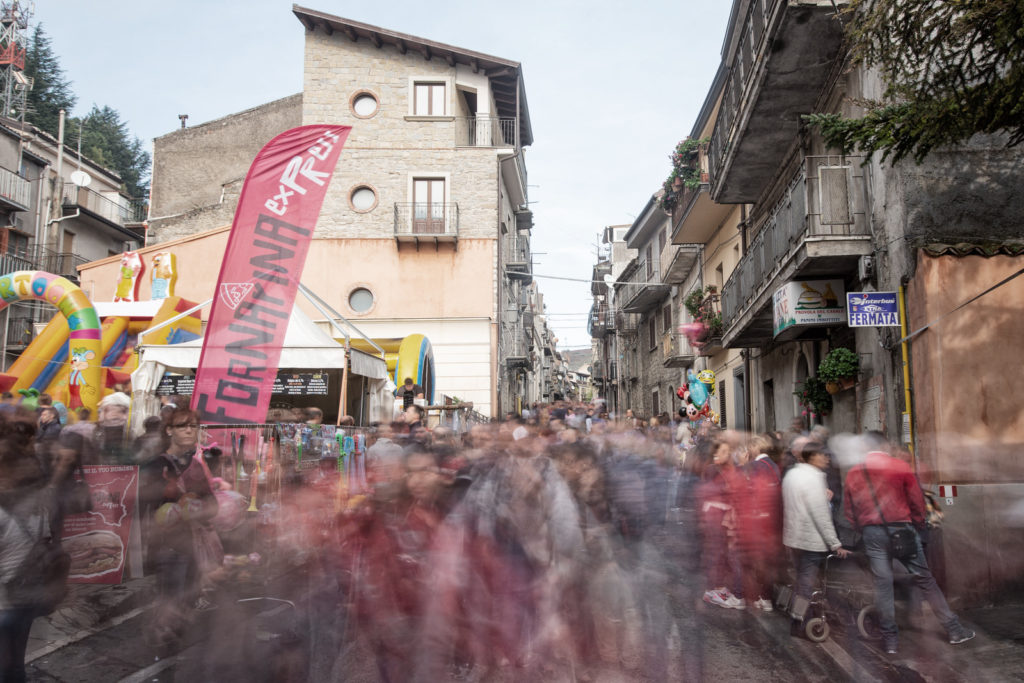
[[880, 496]]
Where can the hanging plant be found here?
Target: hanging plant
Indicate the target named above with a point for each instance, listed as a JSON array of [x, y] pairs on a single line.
[[813, 396], [839, 364]]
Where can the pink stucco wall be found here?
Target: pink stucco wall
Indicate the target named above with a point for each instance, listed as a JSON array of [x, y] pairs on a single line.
[[967, 371], [441, 282]]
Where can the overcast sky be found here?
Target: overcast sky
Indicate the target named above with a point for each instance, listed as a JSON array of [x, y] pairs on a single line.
[[612, 87]]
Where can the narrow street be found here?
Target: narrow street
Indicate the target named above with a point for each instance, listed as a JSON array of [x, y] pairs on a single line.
[[737, 645]]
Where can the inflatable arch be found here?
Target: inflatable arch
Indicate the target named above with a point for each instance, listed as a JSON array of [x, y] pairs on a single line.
[[84, 349]]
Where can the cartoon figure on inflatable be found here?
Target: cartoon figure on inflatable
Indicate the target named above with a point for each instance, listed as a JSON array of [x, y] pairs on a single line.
[[699, 387], [85, 380]]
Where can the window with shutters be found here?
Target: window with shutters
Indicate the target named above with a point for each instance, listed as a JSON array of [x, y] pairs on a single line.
[[834, 195], [429, 99], [652, 331]]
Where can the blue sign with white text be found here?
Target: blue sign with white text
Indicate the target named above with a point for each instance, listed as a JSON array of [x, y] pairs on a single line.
[[872, 309]]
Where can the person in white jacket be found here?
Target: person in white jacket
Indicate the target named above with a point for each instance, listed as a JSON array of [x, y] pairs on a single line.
[[807, 527]]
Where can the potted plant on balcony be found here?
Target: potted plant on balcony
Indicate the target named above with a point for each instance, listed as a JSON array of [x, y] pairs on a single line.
[[701, 305], [839, 369], [686, 172], [814, 397]]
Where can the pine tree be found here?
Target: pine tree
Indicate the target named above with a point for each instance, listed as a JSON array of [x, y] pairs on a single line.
[[951, 70], [106, 140], [51, 91]]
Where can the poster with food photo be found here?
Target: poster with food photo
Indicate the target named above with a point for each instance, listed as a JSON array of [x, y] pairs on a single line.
[[98, 540]]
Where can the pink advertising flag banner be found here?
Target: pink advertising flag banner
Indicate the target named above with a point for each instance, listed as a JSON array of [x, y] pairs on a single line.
[[98, 540], [267, 248]]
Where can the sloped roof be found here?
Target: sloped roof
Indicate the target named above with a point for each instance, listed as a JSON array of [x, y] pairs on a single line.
[[506, 76]]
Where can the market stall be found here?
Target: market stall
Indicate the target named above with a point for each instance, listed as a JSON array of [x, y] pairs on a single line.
[[306, 348]]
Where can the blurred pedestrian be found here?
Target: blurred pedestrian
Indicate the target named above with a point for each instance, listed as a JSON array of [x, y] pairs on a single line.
[[883, 496], [807, 525]]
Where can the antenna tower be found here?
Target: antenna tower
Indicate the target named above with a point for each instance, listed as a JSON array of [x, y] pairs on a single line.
[[14, 85]]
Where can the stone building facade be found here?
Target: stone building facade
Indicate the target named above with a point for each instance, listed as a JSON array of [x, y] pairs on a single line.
[[425, 227]]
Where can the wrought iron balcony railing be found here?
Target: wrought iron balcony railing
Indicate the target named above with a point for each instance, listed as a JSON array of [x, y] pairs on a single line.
[[14, 189], [426, 219], [823, 208], [486, 131], [111, 207]]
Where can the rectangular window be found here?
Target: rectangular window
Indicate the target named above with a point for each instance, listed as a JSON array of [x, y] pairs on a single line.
[[650, 263], [666, 317], [652, 330], [17, 243], [429, 99], [661, 241], [654, 403], [428, 205]]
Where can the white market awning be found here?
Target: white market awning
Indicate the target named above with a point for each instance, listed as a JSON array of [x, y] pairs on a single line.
[[305, 346]]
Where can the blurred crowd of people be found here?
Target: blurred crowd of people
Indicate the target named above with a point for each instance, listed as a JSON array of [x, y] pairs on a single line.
[[560, 538]]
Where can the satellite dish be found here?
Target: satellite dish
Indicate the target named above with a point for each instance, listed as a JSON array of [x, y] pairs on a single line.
[[81, 178]]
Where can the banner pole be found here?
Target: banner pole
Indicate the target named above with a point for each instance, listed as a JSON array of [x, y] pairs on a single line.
[[343, 399]]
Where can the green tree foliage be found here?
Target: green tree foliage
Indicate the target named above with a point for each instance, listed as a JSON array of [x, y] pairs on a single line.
[[51, 91], [952, 68], [106, 140]]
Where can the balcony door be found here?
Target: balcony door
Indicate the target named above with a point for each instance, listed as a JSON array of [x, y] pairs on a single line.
[[428, 205]]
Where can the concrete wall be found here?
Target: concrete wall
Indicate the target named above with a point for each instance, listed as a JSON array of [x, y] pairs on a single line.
[[198, 171]]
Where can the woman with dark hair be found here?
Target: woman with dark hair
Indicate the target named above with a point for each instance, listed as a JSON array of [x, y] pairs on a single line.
[[176, 499], [29, 515]]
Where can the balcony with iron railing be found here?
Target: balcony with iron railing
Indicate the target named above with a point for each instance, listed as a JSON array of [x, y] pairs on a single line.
[[517, 256], [695, 217], [819, 228], [486, 131], [785, 52], [677, 351], [626, 323], [427, 222], [64, 264], [15, 191], [644, 288], [111, 207], [601, 321], [514, 346], [11, 262]]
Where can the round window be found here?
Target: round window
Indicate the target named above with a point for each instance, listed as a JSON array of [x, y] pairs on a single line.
[[360, 300], [364, 105], [363, 198]]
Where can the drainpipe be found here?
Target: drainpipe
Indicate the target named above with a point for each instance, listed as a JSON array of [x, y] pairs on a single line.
[[748, 385], [908, 412], [59, 189]]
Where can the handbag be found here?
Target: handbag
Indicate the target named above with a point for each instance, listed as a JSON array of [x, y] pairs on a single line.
[[902, 541], [41, 580]]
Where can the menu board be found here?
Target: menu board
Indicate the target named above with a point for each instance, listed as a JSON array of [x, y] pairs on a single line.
[[301, 384], [285, 384]]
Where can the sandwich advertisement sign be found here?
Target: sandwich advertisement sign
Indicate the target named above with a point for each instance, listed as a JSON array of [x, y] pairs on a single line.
[[807, 303], [98, 540]]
